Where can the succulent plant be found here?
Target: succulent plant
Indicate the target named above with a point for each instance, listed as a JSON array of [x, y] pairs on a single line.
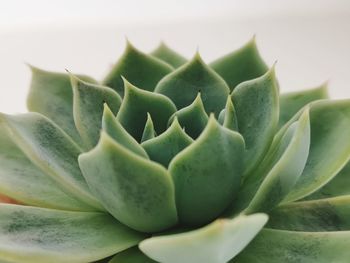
[[169, 160]]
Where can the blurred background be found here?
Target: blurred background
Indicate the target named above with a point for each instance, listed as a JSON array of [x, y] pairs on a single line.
[[309, 39]]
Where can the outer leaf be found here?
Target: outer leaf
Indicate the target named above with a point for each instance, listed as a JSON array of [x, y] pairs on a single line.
[[215, 243], [207, 174], [256, 104], [318, 215], [148, 131], [24, 182], [49, 148], [141, 69], [168, 55], [88, 108], [51, 95], [163, 148], [286, 171], [241, 65], [135, 106], [114, 129], [329, 148], [339, 185], [192, 118], [183, 85], [136, 191], [131, 255], [276, 246], [291, 103], [38, 235]]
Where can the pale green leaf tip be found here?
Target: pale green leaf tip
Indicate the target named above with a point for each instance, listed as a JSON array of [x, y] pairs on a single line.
[[197, 58]]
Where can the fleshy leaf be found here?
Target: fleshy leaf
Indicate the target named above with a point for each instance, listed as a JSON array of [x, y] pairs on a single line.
[[114, 129], [241, 65], [256, 105], [230, 118], [318, 215], [168, 55], [24, 182], [291, 103], [275, 164], [135, 106], [183, 85], [52, 150], [38, 235], [339, 185], [88, 100], [163, 148], [131, 255], [136, 191], [148, 131], [215, 243], [139, 68], [278, 246], [51, 95], [286, 171], [329, 148], [207, 174], [192, 118]]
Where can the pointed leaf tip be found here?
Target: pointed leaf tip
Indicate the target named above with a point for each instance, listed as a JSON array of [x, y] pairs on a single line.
[[143, 70], [190, 79], [240, 65]]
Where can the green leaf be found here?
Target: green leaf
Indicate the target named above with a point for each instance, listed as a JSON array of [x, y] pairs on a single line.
[[168, 55], [38, 235], [241, 65], [207, 174], [24, 182], [131, 255], [136, 191], [114, 129], [135, 106], [163, 148], [88, 108], [286, 171], [52, 150], [51, 95], [139, 68], [229, 118], [215, 243], [276, 246], [291, 103], [192, 118], [148, 131], [329, 148], [256, 105], [183, 85], [339, 185], [330, 214]]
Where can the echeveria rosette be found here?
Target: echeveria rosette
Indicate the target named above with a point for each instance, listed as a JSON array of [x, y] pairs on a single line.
[[169, 160]]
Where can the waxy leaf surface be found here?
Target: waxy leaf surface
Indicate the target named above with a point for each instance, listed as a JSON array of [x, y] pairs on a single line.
[[217, 242], [88, 108], [39, 235], [136, 191], [207, 174], [50, 149]]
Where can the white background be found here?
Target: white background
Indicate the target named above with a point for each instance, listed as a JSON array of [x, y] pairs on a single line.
[[310, 39]]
